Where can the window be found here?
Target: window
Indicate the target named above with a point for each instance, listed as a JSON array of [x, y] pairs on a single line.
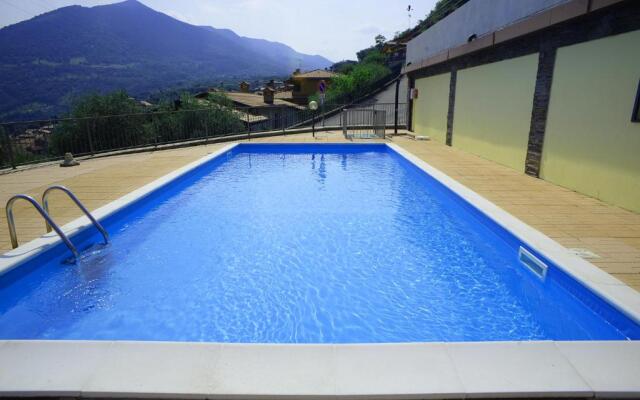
[[635, 116]]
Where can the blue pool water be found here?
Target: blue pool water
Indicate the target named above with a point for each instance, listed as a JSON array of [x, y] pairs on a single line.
[[301, 244]]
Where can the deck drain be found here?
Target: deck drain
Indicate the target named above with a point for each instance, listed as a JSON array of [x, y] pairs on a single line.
[[583, 253]]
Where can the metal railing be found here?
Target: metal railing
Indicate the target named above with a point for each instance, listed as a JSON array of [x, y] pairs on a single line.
[[76, 200], [39, 141], [43, 213], [363, 123]]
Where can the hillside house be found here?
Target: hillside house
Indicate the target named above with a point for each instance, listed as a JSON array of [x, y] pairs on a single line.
[[35, 140], [305, 84], [245, 87], [274, 111], [396, 53]]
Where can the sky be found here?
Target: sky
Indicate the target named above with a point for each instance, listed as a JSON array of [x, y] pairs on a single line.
[[336, 29]]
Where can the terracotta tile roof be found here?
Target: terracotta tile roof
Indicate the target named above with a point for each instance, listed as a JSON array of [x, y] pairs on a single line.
[[250, 118], [242, 115], [284, 94], [256, 100], [317, 74]]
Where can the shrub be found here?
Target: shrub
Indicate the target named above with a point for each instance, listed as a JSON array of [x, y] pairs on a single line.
[[197, 118], [361, 79], [100, 122], [115, 121]]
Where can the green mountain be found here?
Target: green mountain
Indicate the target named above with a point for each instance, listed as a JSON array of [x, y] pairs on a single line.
[[51, 59]]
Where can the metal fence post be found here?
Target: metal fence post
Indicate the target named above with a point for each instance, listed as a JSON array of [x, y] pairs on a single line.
[[313, 124], [206, 128], [156, 127], [395, 116], [344, 122], [283, 119], [46, 140], [89, 134], [246, 114], [12, 160]]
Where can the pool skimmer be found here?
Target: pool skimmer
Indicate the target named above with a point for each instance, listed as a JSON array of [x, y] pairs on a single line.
[[533, 263]]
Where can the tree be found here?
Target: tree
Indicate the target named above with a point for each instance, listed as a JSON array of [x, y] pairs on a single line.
[[197, 118], [441, 10], [360, 79], [4, 148], [380, 40], [343, 67], [115, 121], [101, 122], [374, 57]]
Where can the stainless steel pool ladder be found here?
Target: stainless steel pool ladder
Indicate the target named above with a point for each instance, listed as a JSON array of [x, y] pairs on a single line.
[[49, 223], [43, 213], [45, 203]]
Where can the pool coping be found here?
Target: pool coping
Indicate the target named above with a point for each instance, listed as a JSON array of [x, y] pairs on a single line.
[[403, 370], [611, 289]]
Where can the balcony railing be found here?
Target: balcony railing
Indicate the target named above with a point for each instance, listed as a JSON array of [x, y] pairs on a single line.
[[31, 142]]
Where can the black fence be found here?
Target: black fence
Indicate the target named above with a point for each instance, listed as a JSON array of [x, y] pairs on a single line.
[[46, 140]]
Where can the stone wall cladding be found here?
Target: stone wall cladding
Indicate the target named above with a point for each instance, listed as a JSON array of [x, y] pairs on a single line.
[[452, 105], [541, 97], [412, 85]]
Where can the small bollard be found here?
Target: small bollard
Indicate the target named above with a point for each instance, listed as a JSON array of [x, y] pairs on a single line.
[[69, 161]]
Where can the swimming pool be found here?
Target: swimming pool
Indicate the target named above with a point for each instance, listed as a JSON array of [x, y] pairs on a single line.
[[303, 244]]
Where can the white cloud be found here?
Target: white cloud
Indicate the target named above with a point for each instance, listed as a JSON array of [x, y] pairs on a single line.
[[370, 31]]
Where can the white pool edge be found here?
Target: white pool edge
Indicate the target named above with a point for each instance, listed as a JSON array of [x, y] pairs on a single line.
[[410, 370]]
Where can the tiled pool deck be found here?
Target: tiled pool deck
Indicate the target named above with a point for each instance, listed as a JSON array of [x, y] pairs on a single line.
[[119, 369], [572, 219]]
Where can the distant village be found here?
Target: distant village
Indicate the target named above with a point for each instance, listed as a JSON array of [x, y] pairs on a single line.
[[262, 107], [259, 104], [293, 93]]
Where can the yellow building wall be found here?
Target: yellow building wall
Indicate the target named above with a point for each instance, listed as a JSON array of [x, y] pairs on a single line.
[[591, 145], [493, 110], [308, 87], [431, 107]]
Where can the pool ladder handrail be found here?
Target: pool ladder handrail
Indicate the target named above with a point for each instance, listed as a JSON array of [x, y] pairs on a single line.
[[45, 203], [43, 213]]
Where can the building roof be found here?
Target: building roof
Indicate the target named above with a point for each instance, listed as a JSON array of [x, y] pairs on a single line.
[[248, 117], [285, 94], [316, 74], [393, 45], [242, 115], [257, 100]]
